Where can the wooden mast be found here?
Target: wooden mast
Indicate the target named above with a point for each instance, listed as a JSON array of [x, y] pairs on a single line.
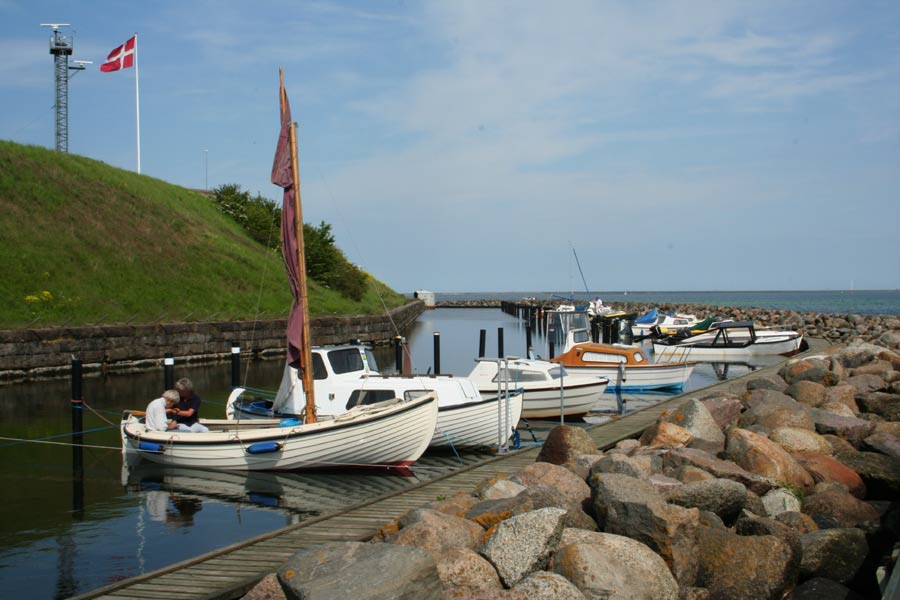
[[306, 372]]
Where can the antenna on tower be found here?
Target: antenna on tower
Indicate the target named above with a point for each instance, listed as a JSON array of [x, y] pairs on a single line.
[[61, 48]]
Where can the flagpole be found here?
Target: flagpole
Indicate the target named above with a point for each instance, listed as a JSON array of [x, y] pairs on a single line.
[[137, 105]]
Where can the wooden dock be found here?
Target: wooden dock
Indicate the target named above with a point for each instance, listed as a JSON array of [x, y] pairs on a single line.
[[230, 572]]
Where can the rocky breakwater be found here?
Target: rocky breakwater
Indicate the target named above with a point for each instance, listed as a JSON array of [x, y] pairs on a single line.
[[786, 486], [836, 328]]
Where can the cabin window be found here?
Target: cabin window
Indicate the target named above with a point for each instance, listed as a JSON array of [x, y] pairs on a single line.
[[581, 336], [601, 357], [638, 357], [366, 397], [319, 371], [413, 394], [346, 360], [517, 375]]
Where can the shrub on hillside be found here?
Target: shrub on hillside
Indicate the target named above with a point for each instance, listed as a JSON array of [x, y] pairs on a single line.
[[261, 218]]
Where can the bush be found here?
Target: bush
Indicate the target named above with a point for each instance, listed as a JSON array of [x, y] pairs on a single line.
[[261, 218]]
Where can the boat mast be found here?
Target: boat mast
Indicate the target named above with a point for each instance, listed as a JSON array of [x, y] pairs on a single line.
[[306, 373]]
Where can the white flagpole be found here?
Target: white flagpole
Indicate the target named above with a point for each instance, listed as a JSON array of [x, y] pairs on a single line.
[[137, 105]]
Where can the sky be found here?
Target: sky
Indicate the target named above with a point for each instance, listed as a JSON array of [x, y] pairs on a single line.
[[477, 146]]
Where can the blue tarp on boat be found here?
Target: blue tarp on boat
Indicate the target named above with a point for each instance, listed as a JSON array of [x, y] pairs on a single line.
[[648, 318]]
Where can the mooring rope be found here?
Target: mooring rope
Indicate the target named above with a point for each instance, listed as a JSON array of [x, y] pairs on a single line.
[[42, 441]]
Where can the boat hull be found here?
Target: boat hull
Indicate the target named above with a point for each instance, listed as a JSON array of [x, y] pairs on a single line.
[[476, 424], [696, 350], [544, 402], [395, 435], [639, 377]]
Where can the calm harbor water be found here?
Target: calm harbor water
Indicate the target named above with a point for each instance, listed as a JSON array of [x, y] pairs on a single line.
[[60, 538]]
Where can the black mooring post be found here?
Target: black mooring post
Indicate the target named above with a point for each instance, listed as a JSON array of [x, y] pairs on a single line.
[[398, 353], [528, 341], [499, 342], [168, 371], [235, 365], [550, 335], [77, 441], [437, 352], [481, 339]]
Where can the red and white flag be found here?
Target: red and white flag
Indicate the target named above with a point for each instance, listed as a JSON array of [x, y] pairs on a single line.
[[120, 58]]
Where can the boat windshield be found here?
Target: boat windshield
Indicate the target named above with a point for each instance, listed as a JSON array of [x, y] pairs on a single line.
[[518, 375], [576, 322], [557, 372], [345, 360]]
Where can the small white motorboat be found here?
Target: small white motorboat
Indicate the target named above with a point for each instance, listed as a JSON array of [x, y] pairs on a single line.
[[347, 375], [729, 339], [545, 386]]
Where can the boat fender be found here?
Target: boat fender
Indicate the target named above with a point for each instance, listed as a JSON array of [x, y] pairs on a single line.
[[290, 423], [264, 447], [151, 447]]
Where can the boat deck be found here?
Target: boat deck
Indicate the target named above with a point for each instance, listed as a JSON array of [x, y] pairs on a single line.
[[230, 572]]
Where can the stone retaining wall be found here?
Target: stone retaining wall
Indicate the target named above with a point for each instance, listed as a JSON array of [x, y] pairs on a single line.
[[43, 353]]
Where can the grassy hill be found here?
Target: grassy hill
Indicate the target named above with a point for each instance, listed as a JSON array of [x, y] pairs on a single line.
[[85, 243]]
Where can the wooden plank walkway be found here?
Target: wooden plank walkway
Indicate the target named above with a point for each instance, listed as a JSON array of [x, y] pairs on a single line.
[[230, 572]]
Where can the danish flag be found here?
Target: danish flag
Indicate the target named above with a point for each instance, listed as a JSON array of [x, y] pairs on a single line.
[[120, 58]]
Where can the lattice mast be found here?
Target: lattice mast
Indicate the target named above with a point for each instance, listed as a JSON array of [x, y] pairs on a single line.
[[61, 48]]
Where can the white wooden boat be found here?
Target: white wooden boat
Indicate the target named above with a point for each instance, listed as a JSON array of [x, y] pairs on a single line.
[[392, 433], [347, 376], [540, 382], [626, 367], [652, 321], [729, 339]]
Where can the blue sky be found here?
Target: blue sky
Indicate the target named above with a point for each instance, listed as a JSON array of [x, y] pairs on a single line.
[[470, 145]]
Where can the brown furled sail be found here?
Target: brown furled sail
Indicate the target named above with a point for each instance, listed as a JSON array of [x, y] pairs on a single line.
[[285, 174]]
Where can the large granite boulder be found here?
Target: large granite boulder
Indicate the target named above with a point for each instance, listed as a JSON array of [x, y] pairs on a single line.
[[885, 443], [780, 500], [435, 531], [845, 509], [880, 473], [767, 382], [725, 409], [564, 480], [522, 544], [466, 571], [833, 553], [498, 487], [615, 567], [806, 392], [850, 428], [564, 443], [722, 469], [724, 497], [794, 439], [380, 572], [828, 469], [808, 369], [866, 384], [663, 434], [883, 404], [491, 512], [546, 586], [627, 506], [641, 466], [762, 456], [843, 393], [820, 588], [693, 416], [747, 567]]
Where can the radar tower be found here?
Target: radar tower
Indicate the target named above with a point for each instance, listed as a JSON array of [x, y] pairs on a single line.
[[61, 49]]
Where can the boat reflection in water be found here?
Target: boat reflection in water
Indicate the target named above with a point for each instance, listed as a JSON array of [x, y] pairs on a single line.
[[174, 494]]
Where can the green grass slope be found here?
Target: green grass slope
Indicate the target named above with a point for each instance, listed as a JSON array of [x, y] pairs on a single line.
[[85, 243]]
